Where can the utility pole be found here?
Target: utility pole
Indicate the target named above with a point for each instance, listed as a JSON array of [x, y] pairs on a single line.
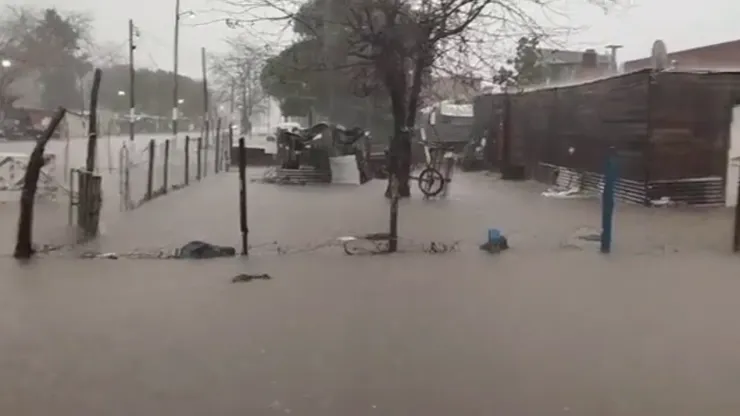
[[243, 113], [250, 104], [175, 99], [206, 121], [613, 49], [231, 101], [132, 75], [329, 55]]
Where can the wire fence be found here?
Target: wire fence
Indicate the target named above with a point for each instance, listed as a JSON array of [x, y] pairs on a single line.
[[168, 165]]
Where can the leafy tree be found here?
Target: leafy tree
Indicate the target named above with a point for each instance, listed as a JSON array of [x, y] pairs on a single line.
[[153, 92], [15, 25], [56, 48], [292, 78], [525, 67]]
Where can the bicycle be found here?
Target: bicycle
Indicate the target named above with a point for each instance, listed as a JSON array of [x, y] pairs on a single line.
[[431, 181]]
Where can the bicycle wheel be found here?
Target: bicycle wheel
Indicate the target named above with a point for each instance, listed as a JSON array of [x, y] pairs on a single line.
[[431, 182]]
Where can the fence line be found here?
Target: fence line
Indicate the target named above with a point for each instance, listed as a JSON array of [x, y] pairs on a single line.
[[160, 168]]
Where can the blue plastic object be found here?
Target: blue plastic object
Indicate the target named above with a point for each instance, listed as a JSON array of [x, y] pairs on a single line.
[[494, 235]]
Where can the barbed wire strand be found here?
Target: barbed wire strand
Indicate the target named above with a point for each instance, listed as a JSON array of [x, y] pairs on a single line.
[[352, 247]]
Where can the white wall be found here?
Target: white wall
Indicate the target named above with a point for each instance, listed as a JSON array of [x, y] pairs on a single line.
[[733, 159]]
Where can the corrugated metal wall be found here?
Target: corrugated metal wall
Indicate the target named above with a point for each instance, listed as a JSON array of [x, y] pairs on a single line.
[[588, 118], [670, 130]]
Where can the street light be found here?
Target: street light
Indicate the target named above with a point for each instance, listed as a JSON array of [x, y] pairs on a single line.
[[121, 93], [180, 101], [6, 63], [175, 101]]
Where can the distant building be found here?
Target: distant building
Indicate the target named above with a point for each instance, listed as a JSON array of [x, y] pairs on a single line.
[[457, 88], [565, 66], [725, 55]]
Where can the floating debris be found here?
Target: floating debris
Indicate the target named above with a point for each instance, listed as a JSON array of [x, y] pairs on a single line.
[[663, 202], [570, 193], [240, 278], [202, 250], [496, 243], [590, 237]]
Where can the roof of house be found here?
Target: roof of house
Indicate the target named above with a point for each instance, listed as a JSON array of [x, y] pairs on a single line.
[[718, 47]]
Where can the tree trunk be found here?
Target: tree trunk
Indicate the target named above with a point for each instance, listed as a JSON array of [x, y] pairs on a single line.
[[92, 131], [404, 116], [399, 163], [24, 245], [399, 160]]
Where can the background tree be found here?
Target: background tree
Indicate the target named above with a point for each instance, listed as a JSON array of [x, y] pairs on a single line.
[[525, 67], [153, 92], [107, 54], [15, 25], [51, 47], [236, 75], [58, 44]]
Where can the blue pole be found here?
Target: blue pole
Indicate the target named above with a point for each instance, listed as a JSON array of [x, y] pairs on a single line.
[[607, 202]]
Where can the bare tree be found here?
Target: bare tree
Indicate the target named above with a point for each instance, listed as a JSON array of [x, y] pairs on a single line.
[[108, 54], [236, 78]]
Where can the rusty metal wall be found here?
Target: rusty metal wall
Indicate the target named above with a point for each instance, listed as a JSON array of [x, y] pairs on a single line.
[[487, 118], [691, 115], [670, 130], [574, 126]]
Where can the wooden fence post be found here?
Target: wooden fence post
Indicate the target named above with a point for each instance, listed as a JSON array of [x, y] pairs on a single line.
[[72, 201], [92, 131], [165, 173], [95, 185], [199, 151], [23, 243], [736, 228], [187, 160], [150, 172], [217, 149], [82, 192], [205, 155], [243, 197], [231, 147], [90, 201]]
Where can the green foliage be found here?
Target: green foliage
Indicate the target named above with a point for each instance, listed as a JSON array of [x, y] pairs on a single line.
[[309, 20], [153, 92], [294, 77], [302, 75], [52, 43], [524, 68], [55, 44]]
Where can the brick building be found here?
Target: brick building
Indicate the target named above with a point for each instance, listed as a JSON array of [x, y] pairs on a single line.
[[725, 55]]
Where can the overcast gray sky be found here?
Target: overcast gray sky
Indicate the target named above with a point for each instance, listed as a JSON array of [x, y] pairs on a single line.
[[680, 24]]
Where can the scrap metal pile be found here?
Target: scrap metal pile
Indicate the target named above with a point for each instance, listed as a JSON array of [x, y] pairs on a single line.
[[322, 153]]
